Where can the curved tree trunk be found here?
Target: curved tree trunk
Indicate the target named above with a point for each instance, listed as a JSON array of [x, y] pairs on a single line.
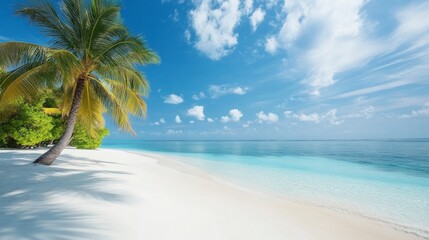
[[49, 157]]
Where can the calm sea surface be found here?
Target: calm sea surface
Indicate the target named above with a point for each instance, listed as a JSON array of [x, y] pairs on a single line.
[[385, 179]]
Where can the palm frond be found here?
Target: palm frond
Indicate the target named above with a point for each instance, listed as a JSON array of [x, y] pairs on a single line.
[[43, 14], [14, 54], [119, 101], [91, 110], [127, 51], [25, 81], [130, 77], [103, 18]]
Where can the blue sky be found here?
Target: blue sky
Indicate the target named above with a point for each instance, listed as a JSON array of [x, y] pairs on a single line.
[[275, 69]]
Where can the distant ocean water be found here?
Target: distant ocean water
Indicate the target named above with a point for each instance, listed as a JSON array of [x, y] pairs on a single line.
[[382, 179]]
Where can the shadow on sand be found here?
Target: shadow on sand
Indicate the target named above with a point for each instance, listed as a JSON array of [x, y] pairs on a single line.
[[29, 206]]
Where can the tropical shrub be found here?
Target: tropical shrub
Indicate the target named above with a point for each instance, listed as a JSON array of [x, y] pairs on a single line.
[[83, 140], [28, 127]]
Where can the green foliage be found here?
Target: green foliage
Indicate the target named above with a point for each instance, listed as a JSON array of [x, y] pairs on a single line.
[[83, 140], [58, 128], [29, 127]]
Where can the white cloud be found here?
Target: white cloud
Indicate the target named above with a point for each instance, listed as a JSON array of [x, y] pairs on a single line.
[[197, 112], [161, 121], [247, 124], [288, 114], [364, 113], [177, 119], [330, 116], [256, 18], [175, 16], [340, 37], [313, 117], [225, 119], [192, 122], [174, 132], [221, 90], [380, 87], [199, 96], [271, 45], [423, 111], [339, 43], [367, 112], [210, 120], [411, 26], [234, 116], [187, 35], [248, 6], [270, 117], [173, 99], [271, 3], [214, 23]]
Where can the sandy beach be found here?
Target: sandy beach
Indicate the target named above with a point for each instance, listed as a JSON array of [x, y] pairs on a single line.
[[112, 194]]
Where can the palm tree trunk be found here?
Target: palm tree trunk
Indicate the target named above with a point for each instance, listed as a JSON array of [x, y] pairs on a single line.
[[49, 157]]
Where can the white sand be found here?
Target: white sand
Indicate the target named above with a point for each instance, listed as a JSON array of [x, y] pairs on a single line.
[[110, 194]]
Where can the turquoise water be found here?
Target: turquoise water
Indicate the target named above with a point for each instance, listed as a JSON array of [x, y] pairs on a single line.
[[386, 179]]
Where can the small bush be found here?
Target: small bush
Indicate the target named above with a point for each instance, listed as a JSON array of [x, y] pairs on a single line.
[[83, 140], [28, 127]]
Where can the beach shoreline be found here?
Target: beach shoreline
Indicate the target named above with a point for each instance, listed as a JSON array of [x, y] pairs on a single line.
[[157, 198], [172, 158]]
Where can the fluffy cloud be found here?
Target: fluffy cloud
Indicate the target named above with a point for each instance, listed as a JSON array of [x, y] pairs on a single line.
[[221, 90], [331, 117], [340, 40], [234, 116], [314, 117], [173, 99], [210, 120], [270, 117], [199, 96], [339, 37], [423, 111], [177, 119], [271, 3], [214, 23], [161, 121], [197, 112], [271, 45], [248, 6], [256, 18], [224, 119]]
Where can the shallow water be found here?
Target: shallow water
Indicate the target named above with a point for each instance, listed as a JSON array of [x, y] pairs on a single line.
[[385, 179]]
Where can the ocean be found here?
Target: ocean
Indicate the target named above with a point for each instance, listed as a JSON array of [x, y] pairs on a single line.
[[387, 180]]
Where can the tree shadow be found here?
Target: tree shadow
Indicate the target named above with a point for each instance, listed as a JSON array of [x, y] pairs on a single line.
[[32, 203]]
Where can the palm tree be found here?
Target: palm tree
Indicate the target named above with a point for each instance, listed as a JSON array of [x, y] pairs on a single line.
[[92, 59]]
